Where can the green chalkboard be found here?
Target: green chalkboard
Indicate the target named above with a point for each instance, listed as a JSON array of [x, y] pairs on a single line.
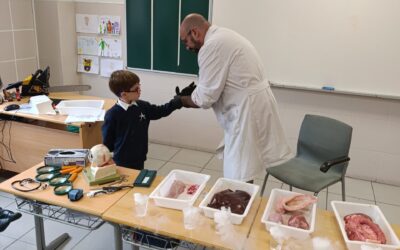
[[138, 19], [165, 43], [188, 59], [161, 17]]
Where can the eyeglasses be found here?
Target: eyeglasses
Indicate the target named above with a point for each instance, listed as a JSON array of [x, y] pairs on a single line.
[[184, 40]]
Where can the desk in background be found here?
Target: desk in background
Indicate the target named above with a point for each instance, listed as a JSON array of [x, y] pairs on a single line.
[[27, 138]]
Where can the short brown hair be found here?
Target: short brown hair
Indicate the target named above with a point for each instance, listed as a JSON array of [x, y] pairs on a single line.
[[122, 80]]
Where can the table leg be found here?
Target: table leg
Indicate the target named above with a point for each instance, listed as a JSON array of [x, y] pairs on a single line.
[[39, 230], [40, 236], [117, 236]]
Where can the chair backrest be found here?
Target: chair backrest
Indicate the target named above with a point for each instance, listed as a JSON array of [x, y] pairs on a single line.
[[322, 138]]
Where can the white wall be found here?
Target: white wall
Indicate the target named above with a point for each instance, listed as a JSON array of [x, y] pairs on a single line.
[[18, 47], [374, 151], [352, 45]]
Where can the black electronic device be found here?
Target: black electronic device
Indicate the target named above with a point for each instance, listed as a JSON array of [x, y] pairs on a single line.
[[35, 84], [145, 178], [11, 107], [38, 84]]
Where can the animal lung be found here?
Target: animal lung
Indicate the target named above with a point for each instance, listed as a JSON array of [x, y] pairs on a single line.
[[294, 203]]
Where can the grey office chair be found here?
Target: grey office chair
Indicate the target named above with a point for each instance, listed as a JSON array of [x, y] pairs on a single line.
[[321, 159]]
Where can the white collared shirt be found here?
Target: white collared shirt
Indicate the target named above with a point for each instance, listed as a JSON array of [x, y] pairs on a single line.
[[125, 105]]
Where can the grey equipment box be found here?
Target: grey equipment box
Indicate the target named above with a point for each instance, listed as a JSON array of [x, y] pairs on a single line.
[[64, 157]]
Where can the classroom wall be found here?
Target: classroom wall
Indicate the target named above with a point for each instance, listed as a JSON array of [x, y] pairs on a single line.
[[18, 50], [374, 151]]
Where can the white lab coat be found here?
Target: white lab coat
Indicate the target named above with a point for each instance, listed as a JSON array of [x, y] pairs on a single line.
[[233, 83]]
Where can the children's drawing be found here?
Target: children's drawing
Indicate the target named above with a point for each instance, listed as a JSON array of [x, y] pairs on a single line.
[[87, 23], [87, 45], [109, 47], [88, 64], [108, 66], [110, 25], [102, 46]]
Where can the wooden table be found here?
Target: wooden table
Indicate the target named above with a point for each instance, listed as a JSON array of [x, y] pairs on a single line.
[[326, 227], [28, 137], [169, 222], [93, 206]]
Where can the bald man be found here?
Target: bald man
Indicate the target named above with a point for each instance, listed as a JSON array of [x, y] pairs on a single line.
[[232, 82]]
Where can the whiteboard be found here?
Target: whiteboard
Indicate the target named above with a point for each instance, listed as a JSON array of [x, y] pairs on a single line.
[[352, 45]]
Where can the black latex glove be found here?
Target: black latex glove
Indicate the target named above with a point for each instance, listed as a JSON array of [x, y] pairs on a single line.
[[185, 91]]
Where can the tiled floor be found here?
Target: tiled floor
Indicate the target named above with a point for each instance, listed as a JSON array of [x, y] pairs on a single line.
[[21, 234]]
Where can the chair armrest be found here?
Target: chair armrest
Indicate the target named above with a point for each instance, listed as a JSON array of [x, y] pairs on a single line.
[[328, 164]]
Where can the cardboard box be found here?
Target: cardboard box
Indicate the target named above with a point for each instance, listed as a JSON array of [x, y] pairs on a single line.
[[60, 157]]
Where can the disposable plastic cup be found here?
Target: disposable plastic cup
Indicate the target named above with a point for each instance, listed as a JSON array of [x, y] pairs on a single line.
[[191, 216], [141, 201]]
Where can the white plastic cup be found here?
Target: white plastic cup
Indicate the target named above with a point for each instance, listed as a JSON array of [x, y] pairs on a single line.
[[141, 201], [191, 216]]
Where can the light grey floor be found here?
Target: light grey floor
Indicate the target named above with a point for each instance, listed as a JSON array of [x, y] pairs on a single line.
[[20, 234]]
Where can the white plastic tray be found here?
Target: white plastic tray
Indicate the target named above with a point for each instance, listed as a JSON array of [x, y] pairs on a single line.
[[80, 107], [159, 193], [297, 233], [223, 184], [342, 208]]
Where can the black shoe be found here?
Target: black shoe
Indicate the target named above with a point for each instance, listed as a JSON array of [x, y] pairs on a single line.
[[6, 217]]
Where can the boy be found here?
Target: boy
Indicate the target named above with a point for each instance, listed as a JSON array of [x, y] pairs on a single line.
[[126, 124]]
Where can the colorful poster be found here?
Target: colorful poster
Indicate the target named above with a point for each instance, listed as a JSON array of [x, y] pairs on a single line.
[[108, 66], [110, 25], [87, 23], [109, 47], [88, 64], [87, 45]]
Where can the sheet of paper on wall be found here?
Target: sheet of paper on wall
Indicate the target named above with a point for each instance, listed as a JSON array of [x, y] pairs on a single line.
[[109, 47], [87, 23], [86, 118], [88, 64], [87, 45], [107, 66], [110, 25]]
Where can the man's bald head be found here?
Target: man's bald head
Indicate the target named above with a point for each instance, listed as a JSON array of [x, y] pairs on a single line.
[[194, 20], [193, 31]]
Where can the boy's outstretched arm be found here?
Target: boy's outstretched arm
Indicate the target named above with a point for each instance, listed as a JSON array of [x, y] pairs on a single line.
[[187, 102], [154, 112]]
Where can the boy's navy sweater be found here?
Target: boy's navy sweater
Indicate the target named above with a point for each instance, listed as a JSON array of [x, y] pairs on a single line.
[[126, 132]]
